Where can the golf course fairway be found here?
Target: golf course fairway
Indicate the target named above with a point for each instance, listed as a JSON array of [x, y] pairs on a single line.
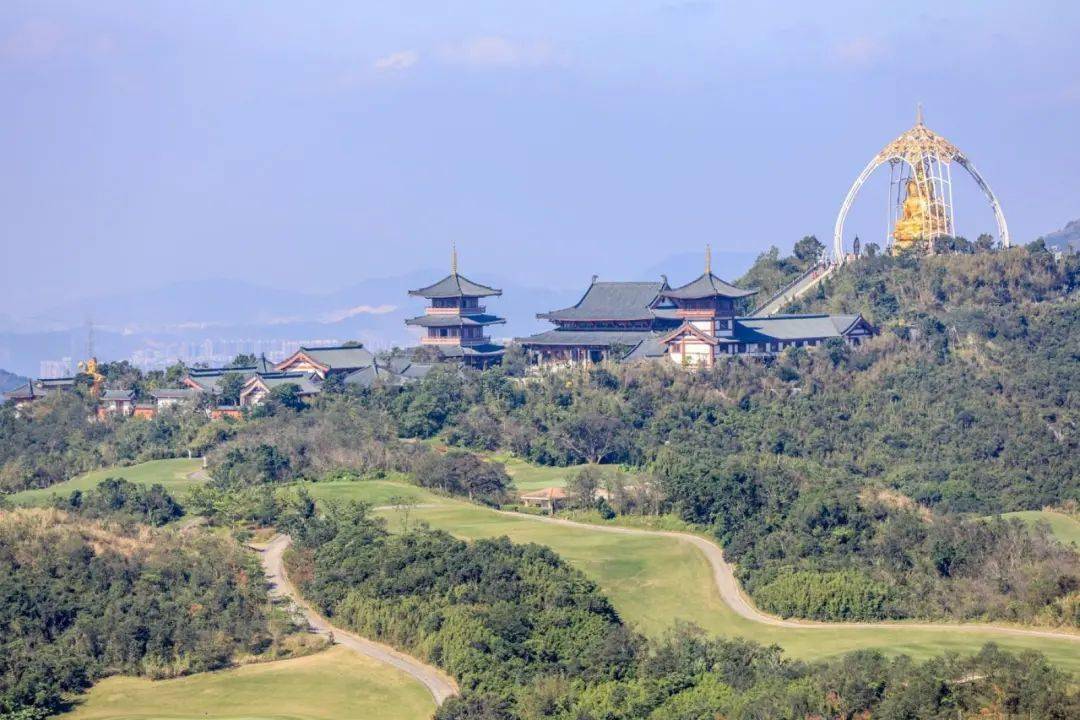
[[655, 579], [175, 475], [329, 685]]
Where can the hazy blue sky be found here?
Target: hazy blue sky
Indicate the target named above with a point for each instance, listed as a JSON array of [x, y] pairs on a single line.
[[315, 144]]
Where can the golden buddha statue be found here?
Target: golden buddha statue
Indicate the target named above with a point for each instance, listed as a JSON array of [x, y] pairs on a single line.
[[911, 228], [97, 380]]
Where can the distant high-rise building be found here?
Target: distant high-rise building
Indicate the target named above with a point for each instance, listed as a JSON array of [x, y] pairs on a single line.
[[56, 368]]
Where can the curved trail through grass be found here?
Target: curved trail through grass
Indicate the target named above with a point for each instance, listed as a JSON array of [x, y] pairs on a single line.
[[732, 594], [439, 684], [656, 577]]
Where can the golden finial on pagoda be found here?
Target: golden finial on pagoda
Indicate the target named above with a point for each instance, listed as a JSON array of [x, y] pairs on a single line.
[[918, 114], [453, 257], [708, 259]]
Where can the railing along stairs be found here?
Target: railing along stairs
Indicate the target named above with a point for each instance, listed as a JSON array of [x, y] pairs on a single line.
[[796, 288]]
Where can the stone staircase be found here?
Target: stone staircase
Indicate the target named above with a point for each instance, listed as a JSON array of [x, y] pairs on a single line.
[[796, 288]]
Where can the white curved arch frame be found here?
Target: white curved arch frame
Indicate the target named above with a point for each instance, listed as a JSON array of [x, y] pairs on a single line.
[[999, 216], [838, 230]]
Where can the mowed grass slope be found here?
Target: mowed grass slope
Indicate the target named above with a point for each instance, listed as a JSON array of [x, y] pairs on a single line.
[[329, 685], [173, 474], [654, 580], [376, 492], [1063, 527], [528, 477]]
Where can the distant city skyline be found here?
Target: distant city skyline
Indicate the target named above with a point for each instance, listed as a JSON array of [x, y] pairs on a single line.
[[311, 147]]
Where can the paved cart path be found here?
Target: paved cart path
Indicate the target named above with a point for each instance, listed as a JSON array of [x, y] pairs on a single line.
[[439, 684], [732, 594]]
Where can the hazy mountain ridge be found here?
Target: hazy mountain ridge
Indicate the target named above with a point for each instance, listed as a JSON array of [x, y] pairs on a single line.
[[372, 311], [10, 381], [1066, 237]]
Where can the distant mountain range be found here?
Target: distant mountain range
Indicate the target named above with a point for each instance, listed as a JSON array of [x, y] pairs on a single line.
[[155, 322], [1066, 237], [10, 381]]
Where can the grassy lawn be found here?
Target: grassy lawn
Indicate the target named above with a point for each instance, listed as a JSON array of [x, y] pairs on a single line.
[[332, 684], [654, 580], [172, 474], [376, 492], [528, 477], [1062, 526]]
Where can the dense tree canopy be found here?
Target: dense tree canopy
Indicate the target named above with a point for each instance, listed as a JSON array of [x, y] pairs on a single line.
[[527, 637], [83, 600]]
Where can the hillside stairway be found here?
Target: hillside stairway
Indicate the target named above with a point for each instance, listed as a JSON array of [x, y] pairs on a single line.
[[796, 288]]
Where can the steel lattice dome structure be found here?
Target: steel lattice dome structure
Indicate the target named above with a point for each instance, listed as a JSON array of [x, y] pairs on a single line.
[[920, 168]]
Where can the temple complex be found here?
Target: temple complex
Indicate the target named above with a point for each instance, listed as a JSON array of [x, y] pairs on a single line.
[[693, 324], [38, 389], [454, 322], [611, 320]]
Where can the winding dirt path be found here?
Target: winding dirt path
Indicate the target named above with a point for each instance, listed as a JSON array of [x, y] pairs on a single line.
[[439, 684], [732, 594]]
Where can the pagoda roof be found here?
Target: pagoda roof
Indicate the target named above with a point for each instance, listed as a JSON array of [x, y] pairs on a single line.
[[455, 285], [118, 395], [454, 320], [624, 301], [707, 285]]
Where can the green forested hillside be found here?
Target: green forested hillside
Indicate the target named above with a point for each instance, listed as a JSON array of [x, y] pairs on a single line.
[[82, 600]]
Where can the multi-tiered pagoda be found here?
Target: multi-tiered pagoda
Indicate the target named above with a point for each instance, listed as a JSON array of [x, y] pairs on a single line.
[[706, 307], [455, 322]]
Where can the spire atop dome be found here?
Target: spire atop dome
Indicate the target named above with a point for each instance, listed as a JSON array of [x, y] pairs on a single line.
[[453, 257], [919, 115]]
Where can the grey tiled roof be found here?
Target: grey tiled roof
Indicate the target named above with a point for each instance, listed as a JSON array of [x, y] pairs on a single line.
[[707, 285], [449, 320], [416, 371], [49, 383], [111, 394], [307, 382], [590, 338], [612, 301], [339, 357], [455, 285], [793, 327], [209, 379], [173, 393], [23, 392], [405, 367], [648, 349], [486, 350], [397, 371]]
